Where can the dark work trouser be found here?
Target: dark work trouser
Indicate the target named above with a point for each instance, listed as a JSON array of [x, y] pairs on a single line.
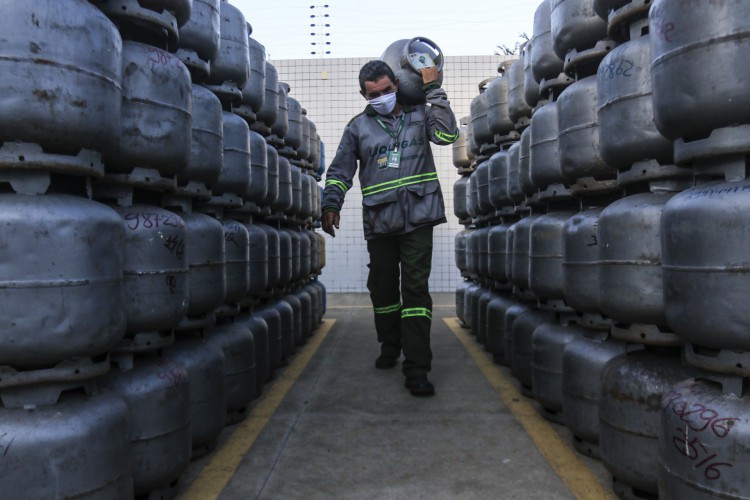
[[403, 315]]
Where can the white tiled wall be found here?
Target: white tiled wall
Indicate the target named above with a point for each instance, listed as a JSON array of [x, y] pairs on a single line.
[[329, 90]]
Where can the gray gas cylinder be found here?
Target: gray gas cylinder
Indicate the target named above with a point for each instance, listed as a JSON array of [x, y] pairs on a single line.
[[65, 252], [285, 257], [520, 266], [306, 312], [545, 63], [470, 296], [472, 196], [704, 231], [253, 92], [204, 363], [272, 163], [293, 137], [296, 316], [77, 447], [472, 250], [258, 187], [482, 253], [280, 126], [405, 57], [578, 137], [315, 301], [296, 253], [274, 254], [583, 362], [286, 326], [518, 108], [198, 44], [546, 274], [304, 149], [515, 191], [575, 26], [544, 151], [498, 103], [206, 260], [602, 7], [268, 319], [627, 132], [461, 290], [633, 386], [206, 139], [511, 314], [459, 249], [155, 268], [296, 183], [549, 342], [157, 21], [260, 247], [235, 173], [305, 249], [581, 260], [530, 85], [237, 343], [61, 67], [499, 176], [284, 200], [156, 119], [481, 324], [482, 174], [498, 253], [705, 39], [460, 210], [459, 148], [528, 186], [630, 259], [269, 111], [480, 126], [156, 391], [522, 354], [237, 254], [496, 332], [471, 143], [230, 69], [703, 441]]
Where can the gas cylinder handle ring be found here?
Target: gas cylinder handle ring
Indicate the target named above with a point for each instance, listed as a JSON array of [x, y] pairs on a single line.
[[407, 62]]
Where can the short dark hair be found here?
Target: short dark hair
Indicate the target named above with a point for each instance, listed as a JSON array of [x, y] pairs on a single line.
[[373, 71]]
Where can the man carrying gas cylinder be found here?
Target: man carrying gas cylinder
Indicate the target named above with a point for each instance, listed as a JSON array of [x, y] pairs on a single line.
[[402, 201]]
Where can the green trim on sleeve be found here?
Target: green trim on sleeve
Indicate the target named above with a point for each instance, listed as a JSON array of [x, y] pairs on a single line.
[[449, 138], [338, 184]]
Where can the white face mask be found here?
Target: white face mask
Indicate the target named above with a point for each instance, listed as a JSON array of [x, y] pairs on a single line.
[[384, 104]]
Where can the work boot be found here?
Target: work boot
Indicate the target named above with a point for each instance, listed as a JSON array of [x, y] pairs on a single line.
[[420, 386]]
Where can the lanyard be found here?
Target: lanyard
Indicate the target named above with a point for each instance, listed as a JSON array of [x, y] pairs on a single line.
[[394, 135]]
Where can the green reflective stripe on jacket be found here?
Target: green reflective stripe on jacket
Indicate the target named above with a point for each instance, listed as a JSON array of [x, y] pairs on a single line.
[[387, 309], [412, 312], [446, 137], [339, 184], [404, 181]]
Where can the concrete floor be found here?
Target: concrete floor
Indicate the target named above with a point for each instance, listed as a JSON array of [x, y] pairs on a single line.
[[347, 430]]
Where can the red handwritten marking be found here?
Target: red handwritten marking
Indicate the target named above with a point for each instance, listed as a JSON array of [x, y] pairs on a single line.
[[158, 56], [697, 417], [151, 220], [172, 372], [176, 246]]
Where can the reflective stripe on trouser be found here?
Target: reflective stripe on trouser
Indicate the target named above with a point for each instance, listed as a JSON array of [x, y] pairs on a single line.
[[400, 270]]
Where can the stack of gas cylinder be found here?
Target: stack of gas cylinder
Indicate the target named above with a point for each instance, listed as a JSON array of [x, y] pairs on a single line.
[[604, 251], [159, 258]]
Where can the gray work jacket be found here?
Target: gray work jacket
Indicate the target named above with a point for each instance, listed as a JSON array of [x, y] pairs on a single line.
[[394, 200]]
